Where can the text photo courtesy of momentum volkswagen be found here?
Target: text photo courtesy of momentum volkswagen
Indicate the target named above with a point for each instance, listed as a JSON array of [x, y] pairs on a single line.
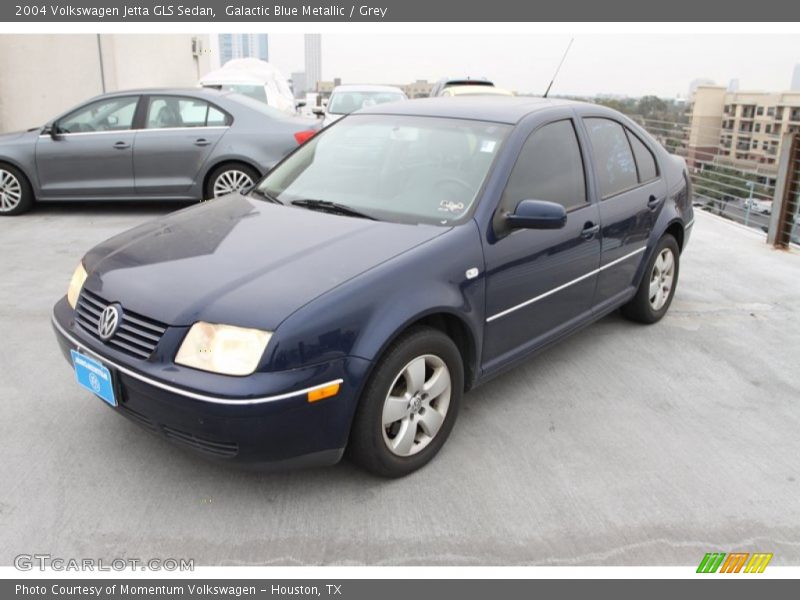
[[344, 301]]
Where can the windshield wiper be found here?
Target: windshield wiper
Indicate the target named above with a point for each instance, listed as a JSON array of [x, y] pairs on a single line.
[[262, 194], [332, 207]]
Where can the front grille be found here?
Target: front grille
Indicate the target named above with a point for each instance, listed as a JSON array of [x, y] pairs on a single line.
[[208, 446], [215, 448], [137, 335], [139, 418]]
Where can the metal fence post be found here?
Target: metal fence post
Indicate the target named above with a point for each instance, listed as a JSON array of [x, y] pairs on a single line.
[[779, 233]]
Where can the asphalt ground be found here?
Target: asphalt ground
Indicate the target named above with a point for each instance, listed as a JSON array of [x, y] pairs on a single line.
[[623, 445]]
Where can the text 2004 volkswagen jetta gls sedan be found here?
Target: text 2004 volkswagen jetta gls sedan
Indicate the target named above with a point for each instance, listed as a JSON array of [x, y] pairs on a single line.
[[399, 258]]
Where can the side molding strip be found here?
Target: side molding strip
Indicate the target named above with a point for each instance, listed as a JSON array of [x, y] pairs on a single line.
[[563, 286]]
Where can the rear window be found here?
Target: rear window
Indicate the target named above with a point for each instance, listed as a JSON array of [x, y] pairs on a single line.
[[645, 161]]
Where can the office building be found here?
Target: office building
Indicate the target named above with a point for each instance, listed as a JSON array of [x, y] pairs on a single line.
[[313, 60], [243, 45]]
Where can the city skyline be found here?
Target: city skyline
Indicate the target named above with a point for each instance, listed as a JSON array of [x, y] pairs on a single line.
[[630, 65]]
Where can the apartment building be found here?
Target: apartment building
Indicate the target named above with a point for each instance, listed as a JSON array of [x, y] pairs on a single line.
[[743, 129]]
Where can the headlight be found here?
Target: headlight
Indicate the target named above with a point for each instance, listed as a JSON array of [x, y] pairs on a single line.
[[76, 285], [223, 348]]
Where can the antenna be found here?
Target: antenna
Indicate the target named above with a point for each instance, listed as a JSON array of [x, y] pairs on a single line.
[[558, 68]]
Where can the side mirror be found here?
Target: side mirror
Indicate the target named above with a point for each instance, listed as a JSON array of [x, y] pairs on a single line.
[[51, 129], [537, 214], [319, 111]]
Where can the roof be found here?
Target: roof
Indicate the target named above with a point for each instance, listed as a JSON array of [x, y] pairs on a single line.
[[199, 91], [354, 87], [499, 109], [476, 90]]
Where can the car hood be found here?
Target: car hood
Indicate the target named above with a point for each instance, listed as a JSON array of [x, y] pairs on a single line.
[[240, 261], [12, 136]]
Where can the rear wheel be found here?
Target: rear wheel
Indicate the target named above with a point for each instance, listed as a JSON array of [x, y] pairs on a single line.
[[229, 178], [16, 196], [657, 288], [410, 404]]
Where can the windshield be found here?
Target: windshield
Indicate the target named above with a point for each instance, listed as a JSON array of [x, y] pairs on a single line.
[[343, 103], [393, 168]]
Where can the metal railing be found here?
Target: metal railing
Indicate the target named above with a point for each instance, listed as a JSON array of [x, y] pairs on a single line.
[[740, 176]]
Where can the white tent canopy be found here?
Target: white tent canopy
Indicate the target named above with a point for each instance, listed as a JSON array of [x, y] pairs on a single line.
[[255, 78]]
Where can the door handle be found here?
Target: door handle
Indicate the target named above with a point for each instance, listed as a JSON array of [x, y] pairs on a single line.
[[201, 142], [121, 145], [589, 230], [653, 202]]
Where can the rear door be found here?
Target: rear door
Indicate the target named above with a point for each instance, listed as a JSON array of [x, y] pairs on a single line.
[[632, 192], [92, 154], [177, 135]]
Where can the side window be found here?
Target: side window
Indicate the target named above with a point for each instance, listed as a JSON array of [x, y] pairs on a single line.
[[173, 111], [216, 118], [109, 114], [549, 167], [645, 161], [616, 169]]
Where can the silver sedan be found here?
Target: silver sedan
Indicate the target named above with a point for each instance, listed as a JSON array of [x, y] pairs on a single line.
[[150, 144]]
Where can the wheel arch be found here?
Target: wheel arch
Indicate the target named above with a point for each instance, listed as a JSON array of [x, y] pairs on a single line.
[[4, 160], [453, 326], [676, 230]]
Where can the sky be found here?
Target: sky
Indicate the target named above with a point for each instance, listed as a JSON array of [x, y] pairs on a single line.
[[633, 65]]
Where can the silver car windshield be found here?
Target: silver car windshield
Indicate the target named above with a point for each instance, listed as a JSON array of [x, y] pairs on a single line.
[[406, 169]]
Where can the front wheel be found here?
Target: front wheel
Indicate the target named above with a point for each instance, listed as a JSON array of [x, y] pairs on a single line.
[[655, 293], [409, 405]]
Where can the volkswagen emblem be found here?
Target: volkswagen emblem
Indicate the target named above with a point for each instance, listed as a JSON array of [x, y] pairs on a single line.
[[109, 321]]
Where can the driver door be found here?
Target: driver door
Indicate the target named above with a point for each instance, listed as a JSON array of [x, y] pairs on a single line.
[[540, 283], [91, 155]]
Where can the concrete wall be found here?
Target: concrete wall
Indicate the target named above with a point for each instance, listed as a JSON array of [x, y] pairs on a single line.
[[43, 75]]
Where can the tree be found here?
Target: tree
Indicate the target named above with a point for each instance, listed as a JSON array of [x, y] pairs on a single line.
[[651, 106]]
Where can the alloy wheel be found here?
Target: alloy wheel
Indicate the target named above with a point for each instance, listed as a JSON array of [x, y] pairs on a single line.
[[231, 181], [416, 405], [661, 279], [10, 191]]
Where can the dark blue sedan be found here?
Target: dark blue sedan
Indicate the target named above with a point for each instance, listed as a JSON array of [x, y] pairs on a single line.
[[396, 260]]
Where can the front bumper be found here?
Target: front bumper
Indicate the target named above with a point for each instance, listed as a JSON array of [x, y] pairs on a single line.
[[266, 422]]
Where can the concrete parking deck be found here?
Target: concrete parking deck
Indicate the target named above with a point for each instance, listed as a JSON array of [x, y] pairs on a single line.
[[624, 445]]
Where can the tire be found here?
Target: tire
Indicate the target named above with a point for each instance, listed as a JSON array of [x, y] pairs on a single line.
[[16, 195], [649, 305], [228, 178], [381, 445]]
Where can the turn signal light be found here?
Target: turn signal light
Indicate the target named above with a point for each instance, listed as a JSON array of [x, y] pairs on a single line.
[[323, 392], [303, 136]]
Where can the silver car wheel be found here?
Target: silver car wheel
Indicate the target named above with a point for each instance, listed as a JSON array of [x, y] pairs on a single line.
[[416, 405], [10, 191], [661, 279], [231, 181]]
